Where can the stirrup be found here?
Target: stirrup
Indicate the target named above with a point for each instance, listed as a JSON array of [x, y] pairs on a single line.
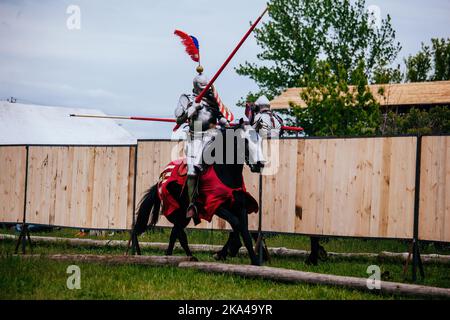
[[195, 216], [194, 208]]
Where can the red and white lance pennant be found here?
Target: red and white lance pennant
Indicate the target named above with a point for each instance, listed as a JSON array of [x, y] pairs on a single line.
[[222, 107]]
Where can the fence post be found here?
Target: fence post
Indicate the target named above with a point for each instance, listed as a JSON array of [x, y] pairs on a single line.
[[417, 261], [24, 233], [134, 239], [260, 213]]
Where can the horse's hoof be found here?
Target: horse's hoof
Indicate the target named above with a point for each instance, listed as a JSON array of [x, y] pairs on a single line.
[[323, 254], [386, 276], [311, 261], [256, 261], [219, 257], [192, 258], [233, 254]]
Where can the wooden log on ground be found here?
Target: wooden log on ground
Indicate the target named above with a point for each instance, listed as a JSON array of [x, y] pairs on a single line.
[[281, 252], [112, 243], [72, 241], [294, 276], [111, 259]]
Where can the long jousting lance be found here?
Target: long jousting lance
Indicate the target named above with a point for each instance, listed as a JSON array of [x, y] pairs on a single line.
[[200, 96], [286, 128]]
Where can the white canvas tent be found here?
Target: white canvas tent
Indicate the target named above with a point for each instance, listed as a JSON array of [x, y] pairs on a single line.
[[35, 124]]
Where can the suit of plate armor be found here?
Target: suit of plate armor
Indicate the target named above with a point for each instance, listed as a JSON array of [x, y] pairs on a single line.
[[265, 122], [202, 119]]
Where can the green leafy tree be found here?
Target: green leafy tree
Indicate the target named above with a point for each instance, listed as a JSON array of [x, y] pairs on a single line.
[[418, 67], [430, 64], [441, 58], [386, 75], [302, 32], [416, 121], [440, 120], [335, 108]]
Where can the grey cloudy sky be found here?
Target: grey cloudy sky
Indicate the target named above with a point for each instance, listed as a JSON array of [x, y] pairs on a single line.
[[125, 59]]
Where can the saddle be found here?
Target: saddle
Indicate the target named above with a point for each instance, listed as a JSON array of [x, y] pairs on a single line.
[[212, 192], [182, 169]]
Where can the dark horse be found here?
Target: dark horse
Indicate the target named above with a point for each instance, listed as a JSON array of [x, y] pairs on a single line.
[[234, 212]]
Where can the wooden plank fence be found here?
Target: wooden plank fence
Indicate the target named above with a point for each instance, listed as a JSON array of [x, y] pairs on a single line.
[[72, 186], [356, 187], [434, 216], [12, 183], [359, 187]]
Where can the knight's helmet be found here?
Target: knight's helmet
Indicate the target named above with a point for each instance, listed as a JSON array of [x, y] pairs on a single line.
[[262, 103], [200, 81]]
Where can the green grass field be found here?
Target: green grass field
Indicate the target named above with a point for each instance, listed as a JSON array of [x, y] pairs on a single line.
[[45, 279]]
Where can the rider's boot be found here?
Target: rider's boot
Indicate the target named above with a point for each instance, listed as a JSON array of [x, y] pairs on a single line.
[[192, 212]]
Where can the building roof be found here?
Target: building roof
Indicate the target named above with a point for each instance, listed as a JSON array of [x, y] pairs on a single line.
[[400, 94], [34, 124]]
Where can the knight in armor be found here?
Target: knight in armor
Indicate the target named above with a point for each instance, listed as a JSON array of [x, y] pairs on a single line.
[[264, 121], [202, 119]]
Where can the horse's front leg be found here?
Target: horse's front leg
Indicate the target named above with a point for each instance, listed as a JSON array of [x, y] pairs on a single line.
[[314, 255], [184, 243], [172, 240], [241, 227], [231, 247], [247, 238], [223, 253], [234, 244]]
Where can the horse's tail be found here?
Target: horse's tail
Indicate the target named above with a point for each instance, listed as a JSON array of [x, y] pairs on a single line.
[[149, 205]]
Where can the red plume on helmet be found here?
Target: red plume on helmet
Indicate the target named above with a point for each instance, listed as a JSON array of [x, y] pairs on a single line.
[[191, 44]]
